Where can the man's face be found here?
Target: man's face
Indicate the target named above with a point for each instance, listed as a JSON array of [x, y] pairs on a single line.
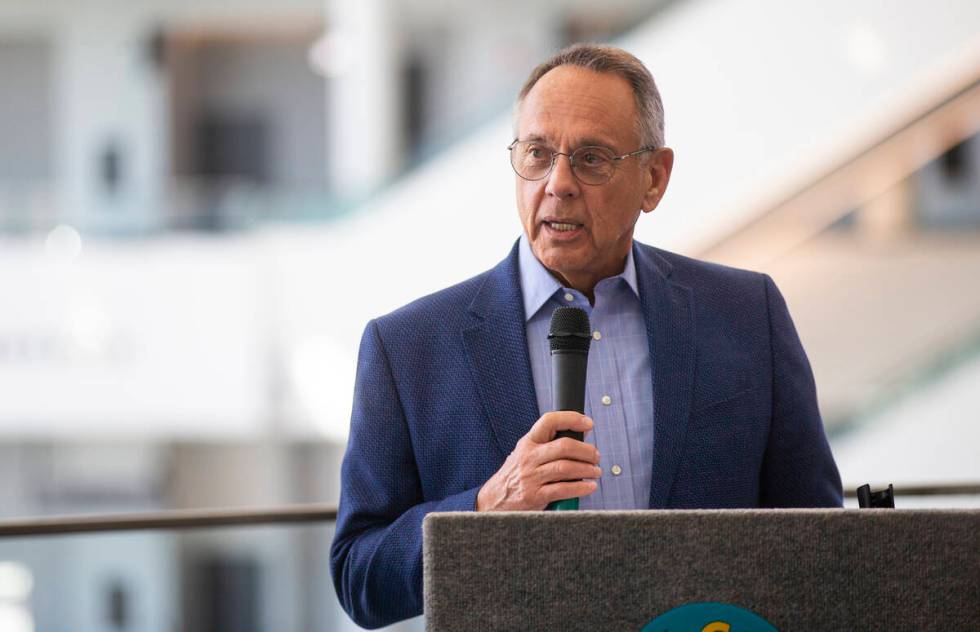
[[583, 232]]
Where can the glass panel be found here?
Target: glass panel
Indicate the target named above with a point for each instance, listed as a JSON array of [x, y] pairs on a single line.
[[245, 579]]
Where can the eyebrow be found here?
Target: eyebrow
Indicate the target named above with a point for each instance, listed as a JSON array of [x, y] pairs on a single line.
[[590, 141]]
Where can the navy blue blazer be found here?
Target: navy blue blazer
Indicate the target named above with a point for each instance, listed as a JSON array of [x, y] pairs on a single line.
[[444, 391]]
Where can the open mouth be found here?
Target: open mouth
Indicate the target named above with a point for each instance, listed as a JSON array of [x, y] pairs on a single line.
[[562, 227]]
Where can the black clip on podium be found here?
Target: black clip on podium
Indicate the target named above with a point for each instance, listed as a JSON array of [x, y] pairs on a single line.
[[867, 499]]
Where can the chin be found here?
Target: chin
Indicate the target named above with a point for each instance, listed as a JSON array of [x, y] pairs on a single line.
[[558, 262]]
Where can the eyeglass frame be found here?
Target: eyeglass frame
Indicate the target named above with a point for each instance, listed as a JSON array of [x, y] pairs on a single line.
[[554, 159]]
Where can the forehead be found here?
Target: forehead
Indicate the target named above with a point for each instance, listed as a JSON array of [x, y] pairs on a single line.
[[575, 106]]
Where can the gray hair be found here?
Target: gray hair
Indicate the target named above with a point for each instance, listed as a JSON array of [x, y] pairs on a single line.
[[604, 58]]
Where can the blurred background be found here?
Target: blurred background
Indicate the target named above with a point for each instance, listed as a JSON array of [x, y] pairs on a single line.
[[203, 202]]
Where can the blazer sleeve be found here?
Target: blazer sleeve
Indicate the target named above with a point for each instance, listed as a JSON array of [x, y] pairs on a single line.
[[376, 554], [798, 469]]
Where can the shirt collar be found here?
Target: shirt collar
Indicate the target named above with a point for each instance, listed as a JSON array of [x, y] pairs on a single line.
[[538, 285]]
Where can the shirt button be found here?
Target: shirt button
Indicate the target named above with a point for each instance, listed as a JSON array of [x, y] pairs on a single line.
[[616, 470], [569, 297], [597, 335], [606, 400]]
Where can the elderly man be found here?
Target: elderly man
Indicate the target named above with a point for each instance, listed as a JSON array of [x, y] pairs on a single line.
[[699, 393]]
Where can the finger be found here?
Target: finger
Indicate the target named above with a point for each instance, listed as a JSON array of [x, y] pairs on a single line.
[[565, 470], [563, 490], [545, 428], [565, 448]]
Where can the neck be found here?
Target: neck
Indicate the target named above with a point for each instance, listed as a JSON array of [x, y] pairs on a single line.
[[584, 285], [586, 281]]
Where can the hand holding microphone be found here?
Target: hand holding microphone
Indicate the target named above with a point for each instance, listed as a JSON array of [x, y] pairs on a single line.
[[551, 463]]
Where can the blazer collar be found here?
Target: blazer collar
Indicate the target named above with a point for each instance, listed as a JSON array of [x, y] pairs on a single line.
[[497, 348], [668, 310]]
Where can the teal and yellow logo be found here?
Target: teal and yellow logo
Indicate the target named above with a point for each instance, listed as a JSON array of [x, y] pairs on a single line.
[[709, 617]]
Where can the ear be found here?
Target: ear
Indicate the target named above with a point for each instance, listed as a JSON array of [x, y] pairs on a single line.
[[658, 166]]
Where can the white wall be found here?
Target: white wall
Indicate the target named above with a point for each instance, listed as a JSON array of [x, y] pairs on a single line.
[[136, 339]]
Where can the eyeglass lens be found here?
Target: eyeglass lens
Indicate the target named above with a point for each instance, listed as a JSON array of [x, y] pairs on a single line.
[[533, 161]]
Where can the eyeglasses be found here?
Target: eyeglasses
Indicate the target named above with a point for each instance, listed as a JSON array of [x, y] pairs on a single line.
[[590, 165]]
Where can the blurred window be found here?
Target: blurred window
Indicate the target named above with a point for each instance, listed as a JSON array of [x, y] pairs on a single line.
[[948, 189], [16, 585]]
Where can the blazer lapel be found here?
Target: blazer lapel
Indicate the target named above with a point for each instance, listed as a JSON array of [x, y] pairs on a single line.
[[497, 350], [668, 311]]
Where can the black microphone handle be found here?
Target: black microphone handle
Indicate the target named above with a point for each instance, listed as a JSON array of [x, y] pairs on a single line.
[[568, 369]]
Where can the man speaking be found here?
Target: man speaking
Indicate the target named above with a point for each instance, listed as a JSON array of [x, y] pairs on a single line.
[[699, 394]]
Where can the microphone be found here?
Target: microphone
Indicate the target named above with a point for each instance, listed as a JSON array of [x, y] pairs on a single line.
[[569, 337]]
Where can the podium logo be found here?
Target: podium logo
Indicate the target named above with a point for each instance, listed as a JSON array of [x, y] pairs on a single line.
[[709, 617]]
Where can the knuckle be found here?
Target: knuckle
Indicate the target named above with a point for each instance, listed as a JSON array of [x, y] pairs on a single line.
[[563, 468], [567, 444], [570, 418]]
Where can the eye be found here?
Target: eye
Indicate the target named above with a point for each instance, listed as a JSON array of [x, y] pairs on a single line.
[[590, 157], [537, 153]]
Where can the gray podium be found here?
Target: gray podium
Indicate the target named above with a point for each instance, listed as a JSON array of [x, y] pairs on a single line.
[[877, 569]]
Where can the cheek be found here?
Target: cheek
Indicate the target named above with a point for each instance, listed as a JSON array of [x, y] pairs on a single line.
[[599, 207], [612, 216], [527, 201]]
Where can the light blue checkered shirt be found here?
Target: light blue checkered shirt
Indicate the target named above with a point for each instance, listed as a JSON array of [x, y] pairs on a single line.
[[619, 385]]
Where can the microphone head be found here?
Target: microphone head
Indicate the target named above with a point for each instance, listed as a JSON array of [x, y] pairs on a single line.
[[570, 330]]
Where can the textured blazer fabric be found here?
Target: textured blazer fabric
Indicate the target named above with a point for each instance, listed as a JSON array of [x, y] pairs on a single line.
[[444, 391]]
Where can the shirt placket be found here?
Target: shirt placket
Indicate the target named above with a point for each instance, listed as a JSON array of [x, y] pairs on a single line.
[[606, 398]]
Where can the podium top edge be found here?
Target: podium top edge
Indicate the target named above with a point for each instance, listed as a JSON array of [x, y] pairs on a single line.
[[659, 514]]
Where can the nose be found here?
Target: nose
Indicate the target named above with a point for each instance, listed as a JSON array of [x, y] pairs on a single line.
[[561, 180]]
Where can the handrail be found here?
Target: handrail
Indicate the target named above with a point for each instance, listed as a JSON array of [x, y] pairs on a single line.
[[174, 519], [945, 489], [205, 518]]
